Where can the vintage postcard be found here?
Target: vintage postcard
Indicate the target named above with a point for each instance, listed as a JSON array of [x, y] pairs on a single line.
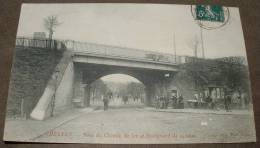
[[129, 74]]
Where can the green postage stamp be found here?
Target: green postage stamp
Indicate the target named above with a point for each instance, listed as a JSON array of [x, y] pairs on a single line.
[[212, 13]]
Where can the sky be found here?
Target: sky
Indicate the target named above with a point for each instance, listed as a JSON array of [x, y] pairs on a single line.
[[140, 26], [151, 27]]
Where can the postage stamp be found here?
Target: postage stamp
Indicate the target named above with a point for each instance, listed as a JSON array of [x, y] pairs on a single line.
[[210, 16]]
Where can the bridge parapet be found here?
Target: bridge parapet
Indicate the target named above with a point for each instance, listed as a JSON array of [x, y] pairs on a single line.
[[101, 49], [40, 43], [123, 52]]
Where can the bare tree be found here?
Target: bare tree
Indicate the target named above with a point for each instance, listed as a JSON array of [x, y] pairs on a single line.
[[50, 24]]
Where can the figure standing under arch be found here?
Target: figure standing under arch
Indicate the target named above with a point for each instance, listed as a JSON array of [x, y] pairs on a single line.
[[106, 101]]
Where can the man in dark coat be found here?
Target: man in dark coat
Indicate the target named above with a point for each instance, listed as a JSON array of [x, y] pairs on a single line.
[[227, 102], [180, 102], [174, 101], [166, 100], [105, 101]]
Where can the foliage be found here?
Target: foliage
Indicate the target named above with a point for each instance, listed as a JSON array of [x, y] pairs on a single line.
[[135, 89], [123, 89], [32, 68], [229, 72], [98, 88]]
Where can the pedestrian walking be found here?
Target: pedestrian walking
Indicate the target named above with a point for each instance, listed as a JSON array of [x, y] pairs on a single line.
[[196, 98], [209, 101], [157, 102], [180, 102], [174, 101], [161, 102], [166, 100], [227, 102], [125, 99], [105, 101]]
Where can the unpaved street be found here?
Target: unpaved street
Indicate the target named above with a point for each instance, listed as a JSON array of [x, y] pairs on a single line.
[[138, 125]]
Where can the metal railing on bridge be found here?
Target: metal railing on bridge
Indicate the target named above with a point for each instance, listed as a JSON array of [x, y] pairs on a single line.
[[100, 49], [39, 43], [123, 52]]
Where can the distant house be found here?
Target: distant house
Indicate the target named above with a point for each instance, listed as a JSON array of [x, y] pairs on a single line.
[[39, 35], [39, 40]]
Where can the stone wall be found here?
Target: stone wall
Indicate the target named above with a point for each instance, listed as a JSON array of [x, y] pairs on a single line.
[[31, 70], [58, 92]]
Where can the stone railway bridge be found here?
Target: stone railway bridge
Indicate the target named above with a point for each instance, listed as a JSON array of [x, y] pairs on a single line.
[[83, 63], [88, 68]]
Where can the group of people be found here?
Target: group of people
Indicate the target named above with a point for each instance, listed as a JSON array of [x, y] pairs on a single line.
[[212, 103], [126, 99], [163, 102], [108, 97]]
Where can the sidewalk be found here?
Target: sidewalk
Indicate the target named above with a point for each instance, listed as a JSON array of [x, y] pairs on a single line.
[[27, 130], [201, 111]]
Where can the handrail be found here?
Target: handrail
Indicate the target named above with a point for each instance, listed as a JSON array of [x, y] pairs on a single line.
[[123, 52], [39, 43], [123, 58], [101, 49]]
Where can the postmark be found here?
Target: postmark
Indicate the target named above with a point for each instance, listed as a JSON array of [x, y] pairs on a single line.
[[210, 16]]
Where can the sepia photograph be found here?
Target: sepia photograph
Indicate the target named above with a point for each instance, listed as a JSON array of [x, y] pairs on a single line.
[[129, 73]]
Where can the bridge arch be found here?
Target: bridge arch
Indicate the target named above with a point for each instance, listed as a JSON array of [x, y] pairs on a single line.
[[87, 73]]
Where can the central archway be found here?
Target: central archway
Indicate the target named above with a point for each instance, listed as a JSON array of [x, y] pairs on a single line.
[[154, 81], [122, 90]]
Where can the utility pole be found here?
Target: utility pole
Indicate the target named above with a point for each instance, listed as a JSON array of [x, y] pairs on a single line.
[[202, 43], [174, 46]]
